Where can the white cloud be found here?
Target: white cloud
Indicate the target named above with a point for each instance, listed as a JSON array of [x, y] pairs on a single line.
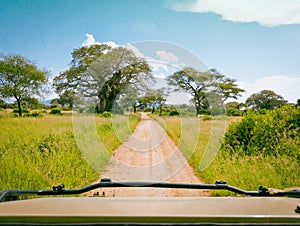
[[90, 40], [111, 44], [167, 57], [287, 87], [265, 12], [157, 65]]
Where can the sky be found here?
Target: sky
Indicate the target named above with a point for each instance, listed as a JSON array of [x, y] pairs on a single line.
[[256, 42]]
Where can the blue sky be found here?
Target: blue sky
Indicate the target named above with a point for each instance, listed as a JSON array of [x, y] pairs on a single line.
[[256, 42]]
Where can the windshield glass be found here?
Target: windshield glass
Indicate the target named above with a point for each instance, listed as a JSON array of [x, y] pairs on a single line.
[[189, 92]]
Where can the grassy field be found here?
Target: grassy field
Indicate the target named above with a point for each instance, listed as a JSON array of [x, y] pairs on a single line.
[[248, 172], [37, 153]]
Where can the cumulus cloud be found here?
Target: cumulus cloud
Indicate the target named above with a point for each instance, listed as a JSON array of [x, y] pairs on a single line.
[[158, 63], [287, 87], [167, 57], [265, 12], [90, 40]]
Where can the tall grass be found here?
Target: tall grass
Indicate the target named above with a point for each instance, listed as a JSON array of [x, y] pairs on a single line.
[[37, 153], [247, 172]]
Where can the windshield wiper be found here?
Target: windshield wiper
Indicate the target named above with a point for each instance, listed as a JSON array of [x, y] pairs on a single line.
[[8, 195]]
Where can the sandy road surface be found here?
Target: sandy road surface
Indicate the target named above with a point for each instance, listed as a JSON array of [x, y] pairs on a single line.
[[149, 155]]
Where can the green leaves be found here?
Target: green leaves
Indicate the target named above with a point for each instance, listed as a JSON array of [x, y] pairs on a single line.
[[20, 78], [203, 86], [102, 72], [265, 99], [273, 133]]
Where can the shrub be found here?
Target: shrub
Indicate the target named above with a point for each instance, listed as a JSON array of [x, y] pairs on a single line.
[[55, 111], [207, 117], [67, 108], [24, 110], [147, 109], [106, 114], [272, 133], [174, 113], [36, 114]]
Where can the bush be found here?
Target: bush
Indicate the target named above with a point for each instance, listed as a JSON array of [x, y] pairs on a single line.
[[174, 113], [67, 108], [106, 114], [24, 110], [273, 133], [207, 117], [36, 114], [147, 109], [55, 111]]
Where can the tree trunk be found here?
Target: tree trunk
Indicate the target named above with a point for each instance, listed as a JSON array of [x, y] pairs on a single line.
[[160, 109], [106, 103], [19, 106]]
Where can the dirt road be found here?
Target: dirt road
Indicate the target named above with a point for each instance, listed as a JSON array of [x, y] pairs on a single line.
[[149, 155]]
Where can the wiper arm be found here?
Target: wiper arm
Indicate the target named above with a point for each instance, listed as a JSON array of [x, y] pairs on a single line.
[[7, 195]]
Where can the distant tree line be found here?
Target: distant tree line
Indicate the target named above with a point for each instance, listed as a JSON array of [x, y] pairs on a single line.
[[104, 79]]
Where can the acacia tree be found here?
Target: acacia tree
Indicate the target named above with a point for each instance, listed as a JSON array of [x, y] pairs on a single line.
[[102, 72], [20, 78], [201, 85], [265, 99], [67, 98], [132, 98], [155, 98]]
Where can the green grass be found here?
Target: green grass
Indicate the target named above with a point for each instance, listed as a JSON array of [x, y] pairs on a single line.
[[248, 172], [37, 153]]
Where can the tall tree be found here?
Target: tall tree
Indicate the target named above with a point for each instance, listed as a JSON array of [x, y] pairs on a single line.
[[156, 98], [67, 98], [204, 87], [20, 78], [132, 98], [104, 74], [265, 99]]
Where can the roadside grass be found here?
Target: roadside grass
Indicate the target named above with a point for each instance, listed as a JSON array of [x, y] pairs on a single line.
[[37, 153], [247, 172]]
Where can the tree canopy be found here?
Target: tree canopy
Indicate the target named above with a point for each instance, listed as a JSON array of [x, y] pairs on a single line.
[[20, 78], [201, 85], [265, 99], [102, 72]]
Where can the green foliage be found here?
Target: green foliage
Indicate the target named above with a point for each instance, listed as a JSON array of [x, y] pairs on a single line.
[[274, 133], [20, 79], [106, 114], [207, 117], [174, 113], [265, 99], [24, 110], [234, 109], [147, 110], [244, 171], [208, 89], [55, 111], [101, 72], [26, 113], [36, 114]]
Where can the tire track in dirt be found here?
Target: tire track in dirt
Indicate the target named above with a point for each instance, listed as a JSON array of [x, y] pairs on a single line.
[[149, 155]]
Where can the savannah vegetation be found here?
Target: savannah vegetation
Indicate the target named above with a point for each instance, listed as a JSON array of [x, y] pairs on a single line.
[[37, 153], [39, 146], [260, 148]]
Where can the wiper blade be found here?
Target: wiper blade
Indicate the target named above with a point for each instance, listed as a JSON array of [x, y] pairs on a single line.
[[7, 195]]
